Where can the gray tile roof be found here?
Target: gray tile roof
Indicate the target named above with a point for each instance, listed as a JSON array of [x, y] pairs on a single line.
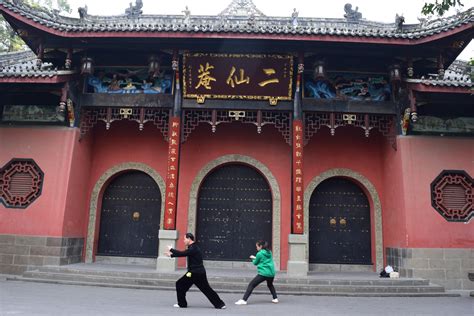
[[23, 65], [10, 58], [228, 23], [457, 75]]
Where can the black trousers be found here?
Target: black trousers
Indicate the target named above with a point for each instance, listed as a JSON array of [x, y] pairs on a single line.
[[256, 281], [200, 280]]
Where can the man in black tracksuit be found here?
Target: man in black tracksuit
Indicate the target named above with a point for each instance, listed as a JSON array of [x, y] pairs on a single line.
[[196, 274]]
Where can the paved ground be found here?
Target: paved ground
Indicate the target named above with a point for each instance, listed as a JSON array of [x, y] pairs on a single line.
[[21, 298]]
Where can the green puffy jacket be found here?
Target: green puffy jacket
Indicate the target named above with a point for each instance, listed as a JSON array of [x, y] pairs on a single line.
[[264, 262]]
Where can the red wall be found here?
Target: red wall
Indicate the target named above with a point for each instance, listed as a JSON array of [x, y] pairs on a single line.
[[269, 148], [124, 142], [57, 212], [402, 178], [393, 213], [418, 161], [77, 206], [348, 149]]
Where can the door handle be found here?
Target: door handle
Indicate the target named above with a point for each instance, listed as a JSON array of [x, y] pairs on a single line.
[[136, 216], [342, 222]]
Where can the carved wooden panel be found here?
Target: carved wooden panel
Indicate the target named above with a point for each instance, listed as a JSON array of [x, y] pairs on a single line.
[[21, 182], [452, 195]]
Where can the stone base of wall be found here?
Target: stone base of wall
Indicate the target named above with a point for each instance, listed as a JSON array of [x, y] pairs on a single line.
[[448, 267], [21, 253]]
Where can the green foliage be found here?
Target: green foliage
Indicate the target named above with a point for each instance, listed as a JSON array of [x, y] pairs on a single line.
[[10, 41], [61, 5], [440, 7]]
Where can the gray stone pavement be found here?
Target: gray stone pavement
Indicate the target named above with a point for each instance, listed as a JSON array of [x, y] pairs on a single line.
[[23, 298]]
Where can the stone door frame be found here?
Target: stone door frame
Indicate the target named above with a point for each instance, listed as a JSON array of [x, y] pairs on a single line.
[[99, 189], [376, 206], [272, 183]]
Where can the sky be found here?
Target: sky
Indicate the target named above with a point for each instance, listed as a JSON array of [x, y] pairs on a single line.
[[373, 10]]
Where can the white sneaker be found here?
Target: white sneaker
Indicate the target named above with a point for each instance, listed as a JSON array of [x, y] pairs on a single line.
[[275, 300], [241, 302], [177, 306]]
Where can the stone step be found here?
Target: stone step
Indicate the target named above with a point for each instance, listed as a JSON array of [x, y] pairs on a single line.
[[281, 278], [259, 290], [237, 285]]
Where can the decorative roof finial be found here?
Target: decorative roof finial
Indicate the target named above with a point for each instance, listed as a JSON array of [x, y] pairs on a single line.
[[352, 15], [251, 20], [82, 12], [294, 18], [136, 9], [242, 8], [187, 15], [399, 20]]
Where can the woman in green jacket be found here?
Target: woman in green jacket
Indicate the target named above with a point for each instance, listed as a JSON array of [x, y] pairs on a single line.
[[265, 269]]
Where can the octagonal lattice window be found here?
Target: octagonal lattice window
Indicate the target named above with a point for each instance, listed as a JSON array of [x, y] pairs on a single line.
[[451, 195], [21, 181]]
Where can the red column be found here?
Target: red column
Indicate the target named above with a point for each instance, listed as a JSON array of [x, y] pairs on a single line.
[[297, 177], [172, 173], [297, 146]]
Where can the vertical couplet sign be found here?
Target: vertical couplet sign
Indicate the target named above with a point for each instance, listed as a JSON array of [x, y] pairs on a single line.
[[172, 173], [298, 188]]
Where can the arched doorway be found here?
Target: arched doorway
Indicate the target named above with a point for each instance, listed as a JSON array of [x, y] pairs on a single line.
[[234, 210], [339, 223], [130, 216]]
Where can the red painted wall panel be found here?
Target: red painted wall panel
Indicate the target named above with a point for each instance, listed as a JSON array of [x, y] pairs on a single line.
[[393, 213], [52, 149], [422, 159], [76, 213]]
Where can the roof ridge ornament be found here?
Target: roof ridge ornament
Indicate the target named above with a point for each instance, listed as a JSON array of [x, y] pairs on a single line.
[[83, 12], [294, 18], [352, 15], [187, 15], [242, 8], [399, 20], [134, 10]]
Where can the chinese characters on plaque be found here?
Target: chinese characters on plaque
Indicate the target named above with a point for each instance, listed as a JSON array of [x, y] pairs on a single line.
[[172, 174], [298, 188], [237, 76]]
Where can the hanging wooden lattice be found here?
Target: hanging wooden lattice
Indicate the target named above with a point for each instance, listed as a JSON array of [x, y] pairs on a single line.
[[157, 116], [280, 120], [314, 121]]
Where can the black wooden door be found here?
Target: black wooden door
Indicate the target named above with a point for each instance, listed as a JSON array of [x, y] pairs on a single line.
[[130, 217], [234, 211], [339, 224]]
